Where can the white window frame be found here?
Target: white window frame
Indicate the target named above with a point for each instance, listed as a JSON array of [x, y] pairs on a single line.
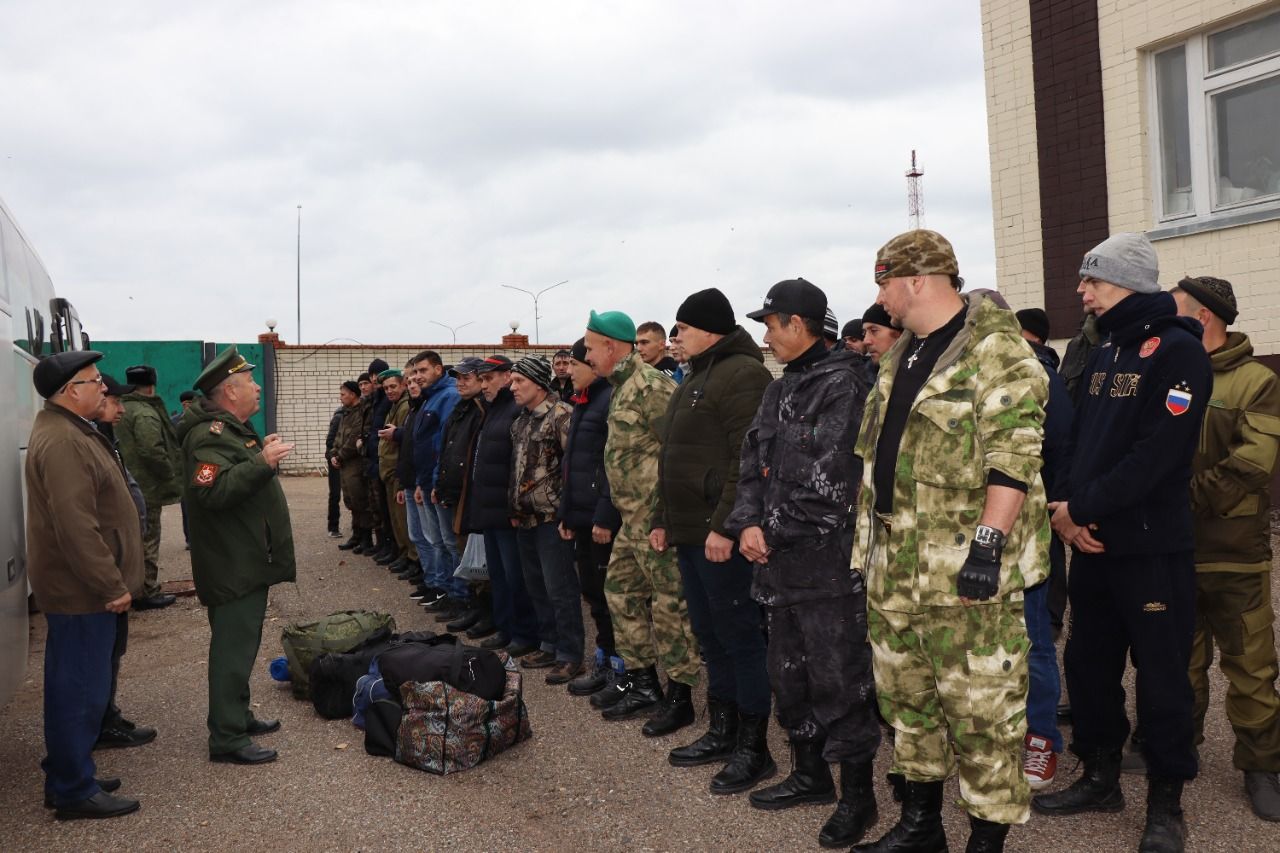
[[1202, 86]]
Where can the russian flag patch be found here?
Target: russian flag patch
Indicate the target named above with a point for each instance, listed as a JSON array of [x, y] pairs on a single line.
[[1178, 400]]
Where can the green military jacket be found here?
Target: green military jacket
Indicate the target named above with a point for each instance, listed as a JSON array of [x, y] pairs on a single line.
[[1231, 471], [238, 518], [150, 448], [389, 451], [538, 439], [982, 409], [639, 402], [353, 425]]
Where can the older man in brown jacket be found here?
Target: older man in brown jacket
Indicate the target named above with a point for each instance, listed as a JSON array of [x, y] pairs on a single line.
[[84, 551]]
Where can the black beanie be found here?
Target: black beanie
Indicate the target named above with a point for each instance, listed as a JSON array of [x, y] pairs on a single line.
[[578, 352], [376, 366], [1035, 321], [876, 314], [708, 310], [352, 386]]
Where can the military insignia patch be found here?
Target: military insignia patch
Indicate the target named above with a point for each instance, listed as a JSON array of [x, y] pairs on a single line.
[[251, 442], [1178, 399], [1149, 346], [205, 474], [216, 427]]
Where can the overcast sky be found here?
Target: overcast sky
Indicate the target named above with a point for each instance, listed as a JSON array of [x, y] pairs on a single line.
[[155, 153]]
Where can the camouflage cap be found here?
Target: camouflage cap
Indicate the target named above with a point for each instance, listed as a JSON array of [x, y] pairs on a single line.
[[918, 252]]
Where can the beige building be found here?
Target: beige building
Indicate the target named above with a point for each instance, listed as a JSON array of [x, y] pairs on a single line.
[[1161, 116]]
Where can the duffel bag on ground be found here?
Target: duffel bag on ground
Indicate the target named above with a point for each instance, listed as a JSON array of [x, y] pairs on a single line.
[[333, 677], [477, 671], [303, 642], [445, 730]]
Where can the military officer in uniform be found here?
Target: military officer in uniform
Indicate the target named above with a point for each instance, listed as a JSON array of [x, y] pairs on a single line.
[[241, 542]]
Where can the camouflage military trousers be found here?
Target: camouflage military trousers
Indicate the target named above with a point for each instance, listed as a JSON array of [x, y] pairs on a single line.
[[952, 681], [355, 494], [643, 589], [151, 552]]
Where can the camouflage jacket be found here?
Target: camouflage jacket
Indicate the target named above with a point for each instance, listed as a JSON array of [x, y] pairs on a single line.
[[640, 397], [389, 451], [351, 427], [982, 409], [538, 439]]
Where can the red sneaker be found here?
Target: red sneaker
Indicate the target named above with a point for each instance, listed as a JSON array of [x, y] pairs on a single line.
[[1040, 763]]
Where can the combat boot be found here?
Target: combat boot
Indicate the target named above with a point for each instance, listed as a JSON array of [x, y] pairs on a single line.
[[1165, 831], [675, 711], [354, 541], [985, 836], [366, 546], [810, 781], [615, 687], [1097, 789], [1263, 788], [856, 812], [719, 741], [919, 830], [642, 692], [593, 679], [750, 762]]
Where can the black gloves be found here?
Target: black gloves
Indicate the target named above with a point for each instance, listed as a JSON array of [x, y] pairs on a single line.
[[980, 574]]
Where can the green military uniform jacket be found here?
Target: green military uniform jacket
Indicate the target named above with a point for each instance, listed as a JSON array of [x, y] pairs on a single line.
[[981, 410], [150, 448], [389, 451], [1232, 469], [238, 518], [640, 397]]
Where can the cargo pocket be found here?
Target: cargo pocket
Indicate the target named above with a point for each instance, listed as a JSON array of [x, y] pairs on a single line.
[[997, 691]]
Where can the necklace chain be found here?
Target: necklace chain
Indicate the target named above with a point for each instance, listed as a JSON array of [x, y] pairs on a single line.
[[911, 360]]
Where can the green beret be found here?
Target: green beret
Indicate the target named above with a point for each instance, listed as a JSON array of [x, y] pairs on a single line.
[[393, 371], [224, 364], [613, 324]]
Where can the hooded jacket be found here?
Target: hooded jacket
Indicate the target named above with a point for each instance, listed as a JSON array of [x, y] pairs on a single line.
[[149, 447], [1135, 433], [1234, 462], [585, 501], [488, 507], [237, 515], [701, 438], [1058, 415]]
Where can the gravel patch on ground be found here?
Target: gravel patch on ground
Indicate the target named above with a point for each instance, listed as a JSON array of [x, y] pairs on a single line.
[[580, 783]]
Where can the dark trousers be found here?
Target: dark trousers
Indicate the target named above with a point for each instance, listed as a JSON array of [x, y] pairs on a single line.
[[552, 583], [77, 688], [1056, 595], [186, 537], [378, 505], [235, 634], [512, 612], [726, 621], [112, 716], [1142, 605], [820, 667], [592, 560], [335, 496]]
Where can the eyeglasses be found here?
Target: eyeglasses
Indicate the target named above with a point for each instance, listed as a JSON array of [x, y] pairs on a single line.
[[97, 380]]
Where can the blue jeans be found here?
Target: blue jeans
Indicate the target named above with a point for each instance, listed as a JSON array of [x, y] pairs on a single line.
[[1045, 689], [421, 548], [442, 543], [512, 613], [726, 621], [552, 581], [77, 688]]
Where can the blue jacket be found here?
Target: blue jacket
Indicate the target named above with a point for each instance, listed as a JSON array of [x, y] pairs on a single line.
[[428, 429], [1137, 426]]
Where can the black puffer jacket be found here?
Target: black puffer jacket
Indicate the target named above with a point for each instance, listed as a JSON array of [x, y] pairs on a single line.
[[701, 437], [406, 470], [378, 411], [584, 501], [488, 481], [455, 450], [799, 480]]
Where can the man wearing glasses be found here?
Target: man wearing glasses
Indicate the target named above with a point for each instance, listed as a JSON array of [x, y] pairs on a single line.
[[84, 551]]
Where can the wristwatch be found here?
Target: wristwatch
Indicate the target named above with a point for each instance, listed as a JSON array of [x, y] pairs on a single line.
[[988, 537]]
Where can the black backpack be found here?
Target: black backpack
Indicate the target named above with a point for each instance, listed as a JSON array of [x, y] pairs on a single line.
[[476, 671], [333, 676]]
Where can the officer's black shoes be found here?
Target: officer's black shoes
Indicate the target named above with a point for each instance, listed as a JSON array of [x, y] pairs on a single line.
[[674, 712], [717, 744], [397, 564], [856, 812], [1097, 789], [810, 781], [919, 830], [154, 602], [108, 785], [483, 628], [1165, 831], [100, 805], [751, 762], [1263, 788], [642, 693], [120, 736], [262, 727], [497, 641], [466, 617], [251, 754]]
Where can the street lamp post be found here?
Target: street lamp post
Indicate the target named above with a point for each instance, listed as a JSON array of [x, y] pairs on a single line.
[[299, 292], [453, 330], [537, 337]]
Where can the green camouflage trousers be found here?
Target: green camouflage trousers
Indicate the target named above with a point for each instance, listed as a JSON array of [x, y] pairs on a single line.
[[643, 586], [151, 552], [952, 681]]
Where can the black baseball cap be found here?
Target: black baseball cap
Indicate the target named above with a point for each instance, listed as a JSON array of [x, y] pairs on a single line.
[[793, 296], [492, 363], [116, 389]]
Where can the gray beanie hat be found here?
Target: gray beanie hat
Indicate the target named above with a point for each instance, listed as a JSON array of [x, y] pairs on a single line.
[[1125, 260]]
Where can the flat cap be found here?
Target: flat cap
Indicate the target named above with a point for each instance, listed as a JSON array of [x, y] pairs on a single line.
[[613, 324], [226, 363], [918, 252], [57, 370]]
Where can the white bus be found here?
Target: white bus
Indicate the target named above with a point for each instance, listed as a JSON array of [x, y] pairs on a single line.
[[33, 324]]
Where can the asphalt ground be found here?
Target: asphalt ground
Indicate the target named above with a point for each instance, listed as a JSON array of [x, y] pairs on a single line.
[[579, 784]]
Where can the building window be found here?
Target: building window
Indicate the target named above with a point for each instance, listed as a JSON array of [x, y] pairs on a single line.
[[1217, 130]]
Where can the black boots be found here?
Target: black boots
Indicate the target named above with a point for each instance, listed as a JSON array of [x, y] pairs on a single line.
[[615, 686], [919, 830], [640, 691], [1097, 789], [750, 762], [856, 812], [675, 711], [985, 836], [365, 547], [1165, 831], [809, 782], [719, 741], [355, 540]]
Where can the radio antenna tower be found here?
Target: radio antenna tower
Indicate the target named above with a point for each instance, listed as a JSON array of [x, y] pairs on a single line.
[[915, 195]]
